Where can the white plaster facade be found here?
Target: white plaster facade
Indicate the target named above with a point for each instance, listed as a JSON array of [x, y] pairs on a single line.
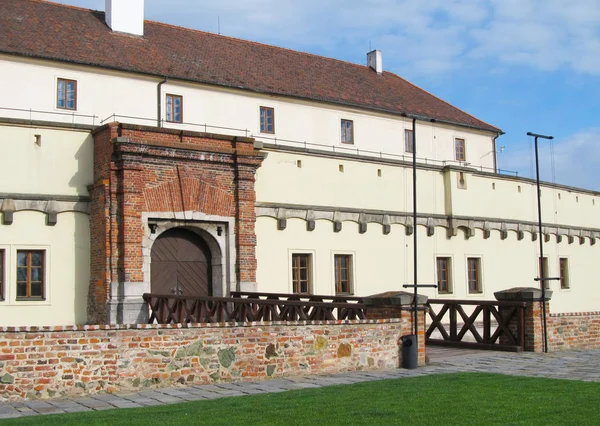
[[105, 96], [465, 210]]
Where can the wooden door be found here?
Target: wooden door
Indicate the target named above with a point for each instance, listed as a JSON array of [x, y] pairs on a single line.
[[180, 264]]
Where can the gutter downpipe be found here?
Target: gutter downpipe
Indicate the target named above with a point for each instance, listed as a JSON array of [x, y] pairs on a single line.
[[414, 167], [496, 152], [159, 103]]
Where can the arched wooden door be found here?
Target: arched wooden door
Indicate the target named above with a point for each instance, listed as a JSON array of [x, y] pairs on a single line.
[[181, 264]]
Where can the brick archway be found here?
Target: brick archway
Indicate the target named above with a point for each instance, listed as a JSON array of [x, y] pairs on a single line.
[[149, 179]]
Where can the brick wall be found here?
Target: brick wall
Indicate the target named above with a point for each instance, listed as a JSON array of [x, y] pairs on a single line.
[[147, 169], [58, 361], [579, 330]]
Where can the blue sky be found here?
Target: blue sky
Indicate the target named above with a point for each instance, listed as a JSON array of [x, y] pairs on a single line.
[[521, 65]]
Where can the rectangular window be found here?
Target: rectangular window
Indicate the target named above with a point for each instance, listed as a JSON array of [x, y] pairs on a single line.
[[66, 94], [408, 141], [30, 274], [175, 108], [546, 274], [474, 274], [343, 273], [564, 273], [1, 274], [443, 275], [348, 132], [459, 146], [267, 120], [301, 273]]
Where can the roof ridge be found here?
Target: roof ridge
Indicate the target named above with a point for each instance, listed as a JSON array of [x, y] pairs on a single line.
[[262, 44], [69, 6]]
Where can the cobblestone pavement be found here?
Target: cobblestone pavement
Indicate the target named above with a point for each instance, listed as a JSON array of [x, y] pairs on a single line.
[[571, 365]]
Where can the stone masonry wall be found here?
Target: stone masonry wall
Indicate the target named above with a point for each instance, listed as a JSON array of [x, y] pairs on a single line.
[[59, 361], [579, 330]]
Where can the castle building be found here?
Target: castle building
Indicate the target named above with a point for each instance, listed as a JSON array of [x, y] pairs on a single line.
[[139, 157]]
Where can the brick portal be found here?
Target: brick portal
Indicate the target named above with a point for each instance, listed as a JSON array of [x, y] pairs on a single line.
[[148, 178]]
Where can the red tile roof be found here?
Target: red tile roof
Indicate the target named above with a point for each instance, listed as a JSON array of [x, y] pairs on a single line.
[[41, 29]]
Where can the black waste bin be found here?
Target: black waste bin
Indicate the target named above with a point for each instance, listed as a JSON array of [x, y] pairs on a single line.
[[410, 356]]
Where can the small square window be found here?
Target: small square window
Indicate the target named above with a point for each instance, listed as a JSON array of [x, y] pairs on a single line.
[[409, 145], [444, 280], [30, 274], [343, 274], [175, 108], [267, 120], [66, 94], [347, 132], [459, 146], [302, 273], [564, 274], [474, 274]]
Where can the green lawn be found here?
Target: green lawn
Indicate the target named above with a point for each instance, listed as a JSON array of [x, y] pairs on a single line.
[[462, 398]]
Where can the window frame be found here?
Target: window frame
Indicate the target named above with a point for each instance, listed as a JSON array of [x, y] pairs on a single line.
[[296, 273], [65, 97], [463, 150], [477, 289], [337, 268], [449, 285], [409, 146], [346, 124], [263, 123], [29, 267], [563, 271], [171, 113]]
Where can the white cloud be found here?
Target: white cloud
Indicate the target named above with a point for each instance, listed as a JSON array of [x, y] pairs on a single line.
[[576, 160], [433, 36]]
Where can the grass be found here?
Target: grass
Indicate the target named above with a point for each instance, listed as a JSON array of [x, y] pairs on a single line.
[[443, 399]]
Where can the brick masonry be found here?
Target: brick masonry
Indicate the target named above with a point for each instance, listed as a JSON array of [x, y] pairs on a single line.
[[579, 330], [148, 169], [48, 362]]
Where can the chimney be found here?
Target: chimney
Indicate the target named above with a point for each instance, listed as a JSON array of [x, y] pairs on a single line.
[[375, 61], [125, 16]]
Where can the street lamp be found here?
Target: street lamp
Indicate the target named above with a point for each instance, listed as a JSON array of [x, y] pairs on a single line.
[[542, 279]]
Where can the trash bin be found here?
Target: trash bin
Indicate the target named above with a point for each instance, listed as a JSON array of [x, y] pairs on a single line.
[[410, 356]]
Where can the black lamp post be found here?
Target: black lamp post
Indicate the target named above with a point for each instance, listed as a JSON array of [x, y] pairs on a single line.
[[542, 278]]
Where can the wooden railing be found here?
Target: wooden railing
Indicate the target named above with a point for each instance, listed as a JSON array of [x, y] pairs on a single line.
[[491, 324], [297, 296], [171, 309]]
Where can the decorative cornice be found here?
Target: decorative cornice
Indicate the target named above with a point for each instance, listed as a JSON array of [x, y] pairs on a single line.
[[52, 205], [452, 224]]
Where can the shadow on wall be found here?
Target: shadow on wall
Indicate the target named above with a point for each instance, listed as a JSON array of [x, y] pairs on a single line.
[[81, 273], [84, 175]]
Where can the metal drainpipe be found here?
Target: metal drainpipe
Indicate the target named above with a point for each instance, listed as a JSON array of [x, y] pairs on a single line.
[[159, 94], [495, 152], [414, 165]]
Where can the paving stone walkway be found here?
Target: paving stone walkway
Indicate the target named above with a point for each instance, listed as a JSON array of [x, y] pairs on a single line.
[[571, 365]]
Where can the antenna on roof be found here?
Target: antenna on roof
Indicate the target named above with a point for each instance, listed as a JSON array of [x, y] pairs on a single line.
[[219, 25], [370, 46]]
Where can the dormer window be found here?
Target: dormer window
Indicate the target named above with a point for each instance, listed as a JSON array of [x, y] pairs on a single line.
[[66, 94]]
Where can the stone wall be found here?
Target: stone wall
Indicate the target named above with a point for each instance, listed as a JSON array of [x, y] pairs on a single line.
[[58, 361], [580, 330]]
